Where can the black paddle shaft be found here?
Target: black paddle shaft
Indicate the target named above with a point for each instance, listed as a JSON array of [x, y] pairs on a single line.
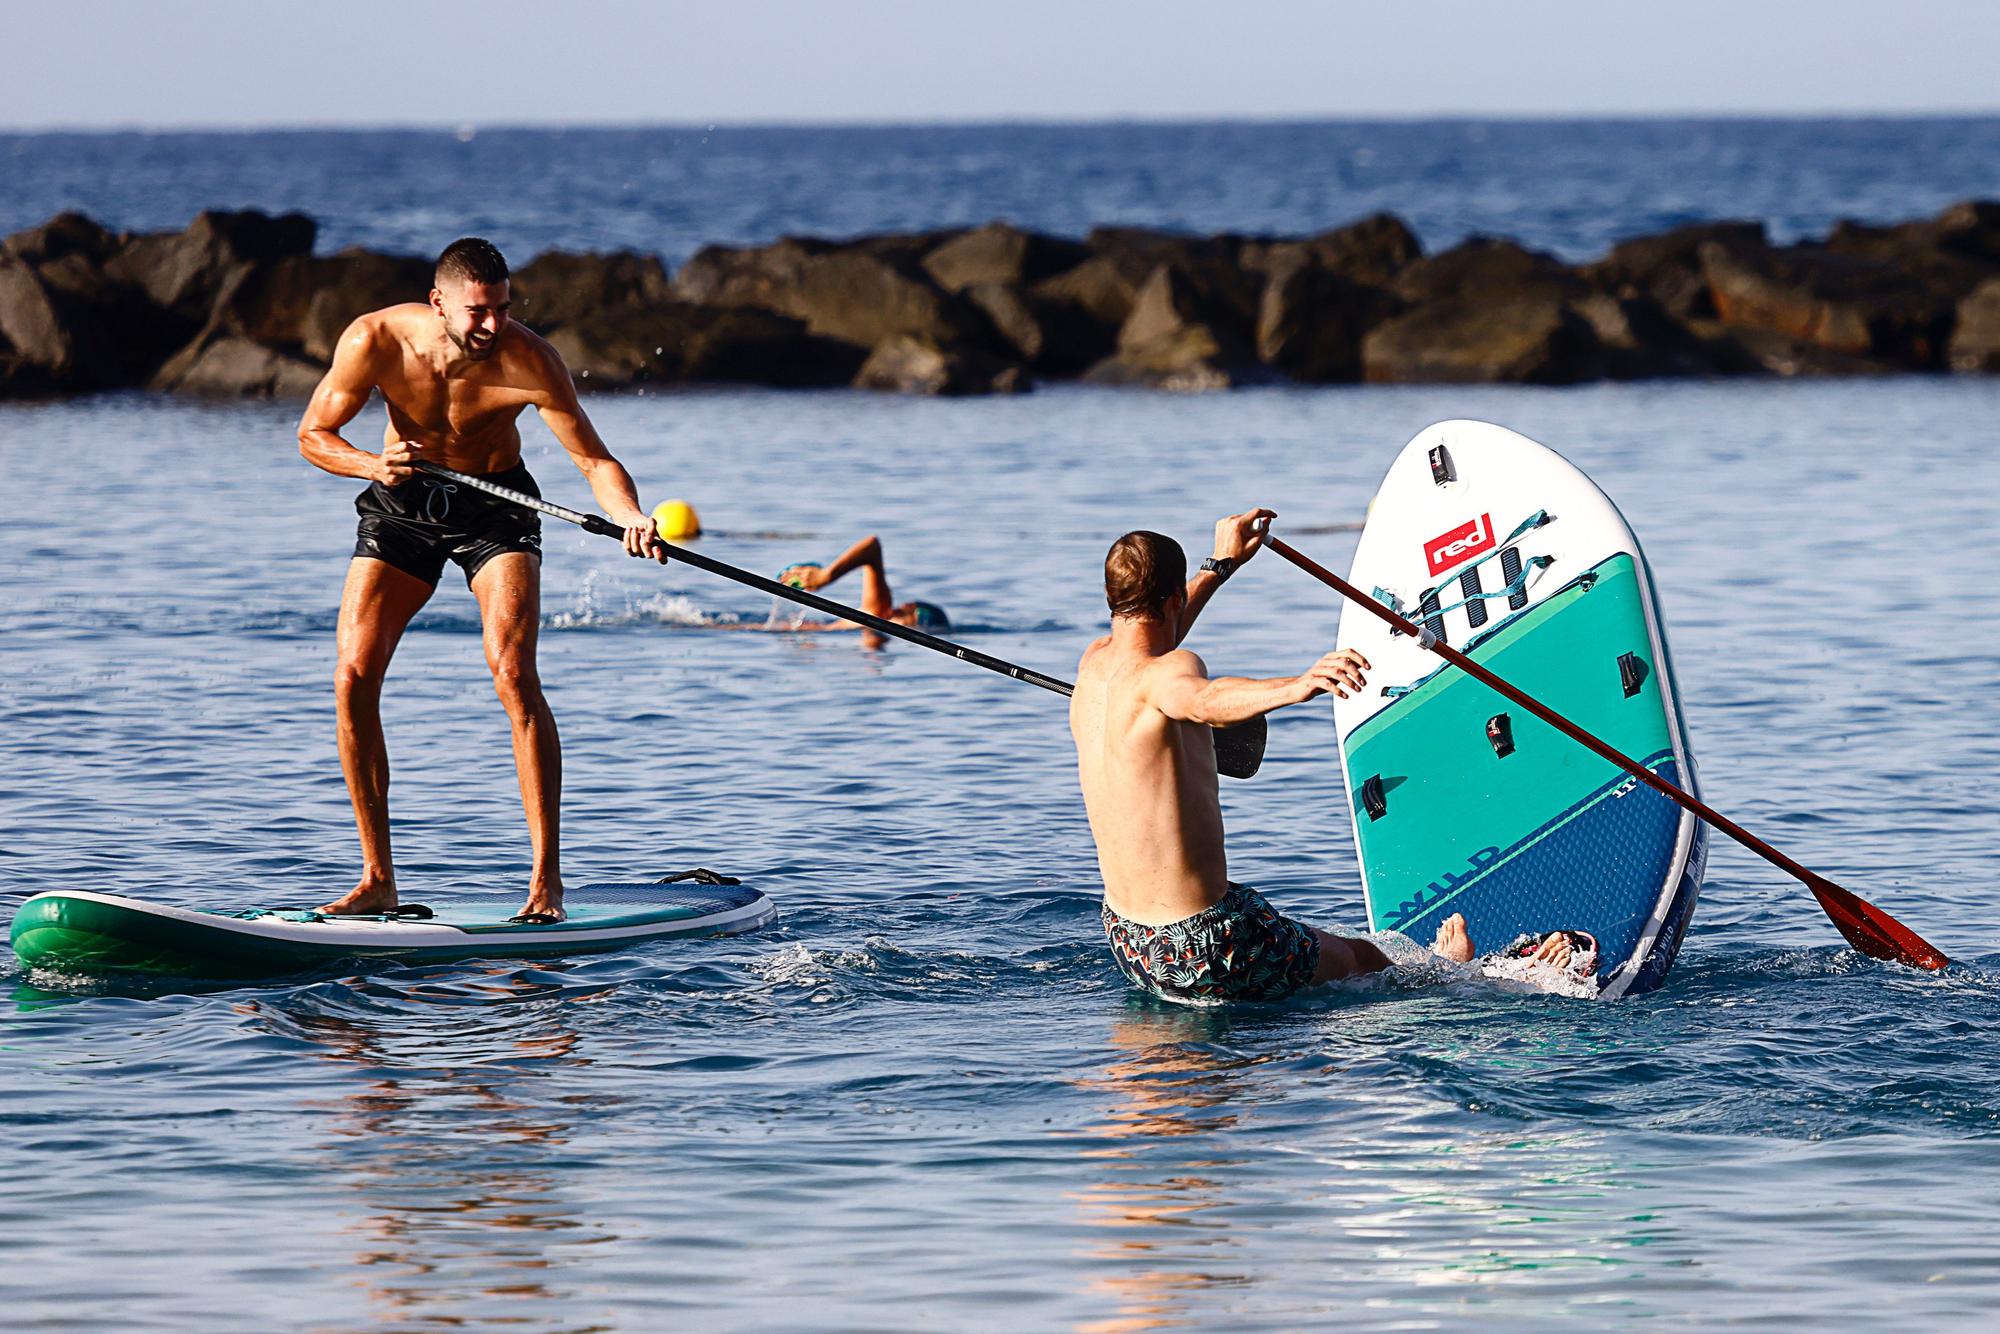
[[1239, 749]]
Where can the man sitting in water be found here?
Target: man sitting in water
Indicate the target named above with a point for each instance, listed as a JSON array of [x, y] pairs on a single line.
[[876, 600], [1141, 714]]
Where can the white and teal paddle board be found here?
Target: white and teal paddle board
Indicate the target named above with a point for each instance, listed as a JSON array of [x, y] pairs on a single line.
[[1464, 802], [78, 931]]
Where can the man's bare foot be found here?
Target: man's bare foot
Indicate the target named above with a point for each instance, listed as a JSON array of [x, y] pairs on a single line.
[[1568, 950], [373, 895], [1454, 942], [1555, 950], [544, 901]]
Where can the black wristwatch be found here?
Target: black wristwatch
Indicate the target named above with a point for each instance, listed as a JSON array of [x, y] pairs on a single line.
[[1221, 567]]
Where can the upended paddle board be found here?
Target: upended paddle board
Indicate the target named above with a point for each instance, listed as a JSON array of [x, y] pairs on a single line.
[[1463, 801], [77, 931]]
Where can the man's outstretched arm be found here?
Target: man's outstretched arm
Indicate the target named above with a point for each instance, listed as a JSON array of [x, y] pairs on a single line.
[[1238, 537], [616, 494], [1182, 690]]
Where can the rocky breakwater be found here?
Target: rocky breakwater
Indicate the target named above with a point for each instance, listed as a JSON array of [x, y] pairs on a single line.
[[239, 304]]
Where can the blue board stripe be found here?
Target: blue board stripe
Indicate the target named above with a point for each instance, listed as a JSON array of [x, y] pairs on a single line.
[[1509, 890]]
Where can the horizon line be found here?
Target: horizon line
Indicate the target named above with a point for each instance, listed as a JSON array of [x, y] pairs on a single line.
[[472, 128]]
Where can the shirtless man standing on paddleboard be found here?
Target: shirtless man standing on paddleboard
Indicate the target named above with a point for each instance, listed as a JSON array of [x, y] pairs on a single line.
[[455, 375], [1141, 717]]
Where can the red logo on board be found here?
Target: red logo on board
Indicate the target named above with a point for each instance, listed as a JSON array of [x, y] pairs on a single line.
[[1468, 539]]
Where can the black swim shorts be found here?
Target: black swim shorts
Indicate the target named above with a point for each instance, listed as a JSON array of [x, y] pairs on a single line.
[[426, 521], [1240, 949]]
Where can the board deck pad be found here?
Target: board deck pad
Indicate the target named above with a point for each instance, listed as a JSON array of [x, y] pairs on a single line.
[[1463, 801], [87, 932]]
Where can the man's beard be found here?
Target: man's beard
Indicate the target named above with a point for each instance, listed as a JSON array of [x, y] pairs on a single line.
[[473, 351]]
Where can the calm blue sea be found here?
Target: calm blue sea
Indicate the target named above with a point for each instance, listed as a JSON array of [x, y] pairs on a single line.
[[1572, 187], [923, 1099]]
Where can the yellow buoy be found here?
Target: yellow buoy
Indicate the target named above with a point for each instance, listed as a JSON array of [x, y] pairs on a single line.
[[677, 520]]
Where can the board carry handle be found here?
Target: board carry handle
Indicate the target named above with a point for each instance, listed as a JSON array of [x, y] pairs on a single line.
[[1869, 929], [1239, 748]]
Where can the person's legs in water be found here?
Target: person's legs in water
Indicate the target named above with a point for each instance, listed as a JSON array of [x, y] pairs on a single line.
[[1244, 949], [1350, 956]]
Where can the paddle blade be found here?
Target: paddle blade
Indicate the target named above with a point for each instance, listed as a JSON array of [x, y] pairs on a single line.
[[1870, 930], [1239, 749]]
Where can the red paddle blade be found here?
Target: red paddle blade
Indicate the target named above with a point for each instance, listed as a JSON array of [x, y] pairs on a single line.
[[1872, 931]]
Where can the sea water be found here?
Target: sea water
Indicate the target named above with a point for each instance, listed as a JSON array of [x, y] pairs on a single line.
[[1572, 187], [923, 1098]]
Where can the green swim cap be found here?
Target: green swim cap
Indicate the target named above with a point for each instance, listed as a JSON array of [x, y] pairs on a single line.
[[786, 578], [930, 616]]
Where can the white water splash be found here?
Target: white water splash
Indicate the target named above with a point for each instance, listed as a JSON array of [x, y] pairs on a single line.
[[1415, 966], [673, 609]]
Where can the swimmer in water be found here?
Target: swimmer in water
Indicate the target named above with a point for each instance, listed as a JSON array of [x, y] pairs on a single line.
[[876, 600]]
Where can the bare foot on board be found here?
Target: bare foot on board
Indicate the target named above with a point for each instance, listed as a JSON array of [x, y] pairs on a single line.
[[544, 901], [1454, 942], [373, 895]]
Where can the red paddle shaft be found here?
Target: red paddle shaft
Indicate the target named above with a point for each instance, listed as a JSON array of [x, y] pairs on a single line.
[[1866, 927]]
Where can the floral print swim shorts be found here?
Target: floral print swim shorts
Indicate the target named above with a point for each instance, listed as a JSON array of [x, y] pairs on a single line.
[[1240, 949]]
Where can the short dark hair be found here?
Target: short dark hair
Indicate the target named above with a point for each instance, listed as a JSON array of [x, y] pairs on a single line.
[[1141, 572], [471, 259]]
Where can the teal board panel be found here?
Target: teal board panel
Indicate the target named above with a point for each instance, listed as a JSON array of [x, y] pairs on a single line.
[[1549, 835]]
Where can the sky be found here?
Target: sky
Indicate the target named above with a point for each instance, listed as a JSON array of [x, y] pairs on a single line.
[[239, 63]]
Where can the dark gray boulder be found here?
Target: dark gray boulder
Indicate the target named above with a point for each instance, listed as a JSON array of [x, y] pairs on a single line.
[[1096, 295], [63, 235], [1667, 266], [1641, 341], [747, 275], [864, 299], [678, 342], [903, 364], [1845, 303], [1055, 337], [54, 341], [907, 248], [221, 364], [1975, 341], [350, 285], [183, 272], [1967, 230], [1183, 361], [1312, 319], [1370, 251], [1531, 337], [1001, 254], [560, 288], [1485, 268], [849, 294], [1186, 333]]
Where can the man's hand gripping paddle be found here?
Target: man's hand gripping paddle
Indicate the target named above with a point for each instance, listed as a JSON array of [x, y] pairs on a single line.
[[1866, 927], [1239, 750]]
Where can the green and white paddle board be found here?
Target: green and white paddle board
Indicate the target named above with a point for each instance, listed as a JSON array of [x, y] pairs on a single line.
[[79, 931], [1464, 802]]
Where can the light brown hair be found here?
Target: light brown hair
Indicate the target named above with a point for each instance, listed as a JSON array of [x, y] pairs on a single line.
[[1141, 571]]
